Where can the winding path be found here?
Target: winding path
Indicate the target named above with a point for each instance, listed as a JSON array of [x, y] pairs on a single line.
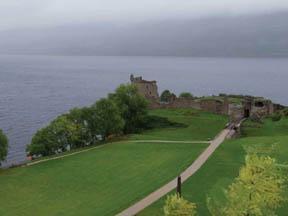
[[153, 197], [169, 141]]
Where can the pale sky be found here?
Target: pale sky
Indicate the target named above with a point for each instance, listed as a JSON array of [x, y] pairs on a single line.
[[16, 14]]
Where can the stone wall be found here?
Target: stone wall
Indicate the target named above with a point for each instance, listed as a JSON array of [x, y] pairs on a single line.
[[177, 103], [147, 89], [235, 112], [214, 106]]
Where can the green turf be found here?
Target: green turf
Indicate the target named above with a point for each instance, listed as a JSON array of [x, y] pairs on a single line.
[[199, 125], [267, 128], [107, 180], [220, 170]]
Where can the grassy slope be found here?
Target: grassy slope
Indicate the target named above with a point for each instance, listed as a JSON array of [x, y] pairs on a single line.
[[106, 180], [201, 125], [223, 166]]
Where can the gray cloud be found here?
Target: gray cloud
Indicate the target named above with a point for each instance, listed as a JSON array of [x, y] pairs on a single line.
[[39, 13]]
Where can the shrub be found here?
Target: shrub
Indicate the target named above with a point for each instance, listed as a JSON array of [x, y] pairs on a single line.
[[175, 206], [3, 146], [258, 190], [187, 95], [285, 112], [167, 96], [276, 117]]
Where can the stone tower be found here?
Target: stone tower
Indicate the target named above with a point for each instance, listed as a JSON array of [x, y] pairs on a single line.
[[146, 88]]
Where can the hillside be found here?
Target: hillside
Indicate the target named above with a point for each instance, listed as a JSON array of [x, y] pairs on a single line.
[[223, 166], [108, 179]]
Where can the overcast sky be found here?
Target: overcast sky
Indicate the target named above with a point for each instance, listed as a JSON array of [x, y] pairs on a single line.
[[16, 14]]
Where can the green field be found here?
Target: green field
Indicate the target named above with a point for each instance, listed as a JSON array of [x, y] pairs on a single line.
[[197, 125], [105, 181], [223, 166]]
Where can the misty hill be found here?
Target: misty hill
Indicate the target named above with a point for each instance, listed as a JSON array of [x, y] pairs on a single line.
[[242, 36]]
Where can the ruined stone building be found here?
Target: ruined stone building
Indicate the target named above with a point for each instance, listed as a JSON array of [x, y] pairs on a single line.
[[249, 106], [253, 107], [146, 88]]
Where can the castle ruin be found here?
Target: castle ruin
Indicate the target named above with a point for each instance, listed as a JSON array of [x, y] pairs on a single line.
[[148, 89], [254, 107]]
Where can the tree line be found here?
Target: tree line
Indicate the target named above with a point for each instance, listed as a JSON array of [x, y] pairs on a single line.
[[122, 112]]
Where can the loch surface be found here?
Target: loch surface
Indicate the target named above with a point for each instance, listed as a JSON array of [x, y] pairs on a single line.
[[35, 89]]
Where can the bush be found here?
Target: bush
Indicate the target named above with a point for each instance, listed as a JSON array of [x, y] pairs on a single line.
[[176, 206], [285, 112], [276, 117], [187, 95], [3, 146], [258, 190], [167, 96]]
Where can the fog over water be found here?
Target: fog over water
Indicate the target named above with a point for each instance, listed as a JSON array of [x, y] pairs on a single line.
[[15, 14], [35, 89]]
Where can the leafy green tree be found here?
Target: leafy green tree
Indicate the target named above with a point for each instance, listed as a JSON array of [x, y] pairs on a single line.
[[258, 190], [67, 133], [86, 124], [132, 107], [108, 118], [176, 206], [60, 135], [187, 95], [167, 96], [3, 146]]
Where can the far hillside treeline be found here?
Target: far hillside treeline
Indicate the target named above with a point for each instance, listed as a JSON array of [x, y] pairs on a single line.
[[122, 112]]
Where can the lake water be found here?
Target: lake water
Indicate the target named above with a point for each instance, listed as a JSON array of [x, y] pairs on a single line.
[[35, 89]]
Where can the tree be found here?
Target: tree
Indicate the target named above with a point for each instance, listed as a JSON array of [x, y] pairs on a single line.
[[132, 107], [187, 95], [43, 143], [67, 133], [108, 118], [86, 124], [258, 190], [176, 206], [61, 135], [167, 96], [3, 146]]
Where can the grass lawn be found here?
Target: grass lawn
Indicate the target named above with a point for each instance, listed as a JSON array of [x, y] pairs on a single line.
[[199, 125], [105, 181], [223, 166]]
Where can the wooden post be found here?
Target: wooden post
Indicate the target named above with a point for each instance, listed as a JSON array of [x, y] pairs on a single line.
[[179, 186]]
